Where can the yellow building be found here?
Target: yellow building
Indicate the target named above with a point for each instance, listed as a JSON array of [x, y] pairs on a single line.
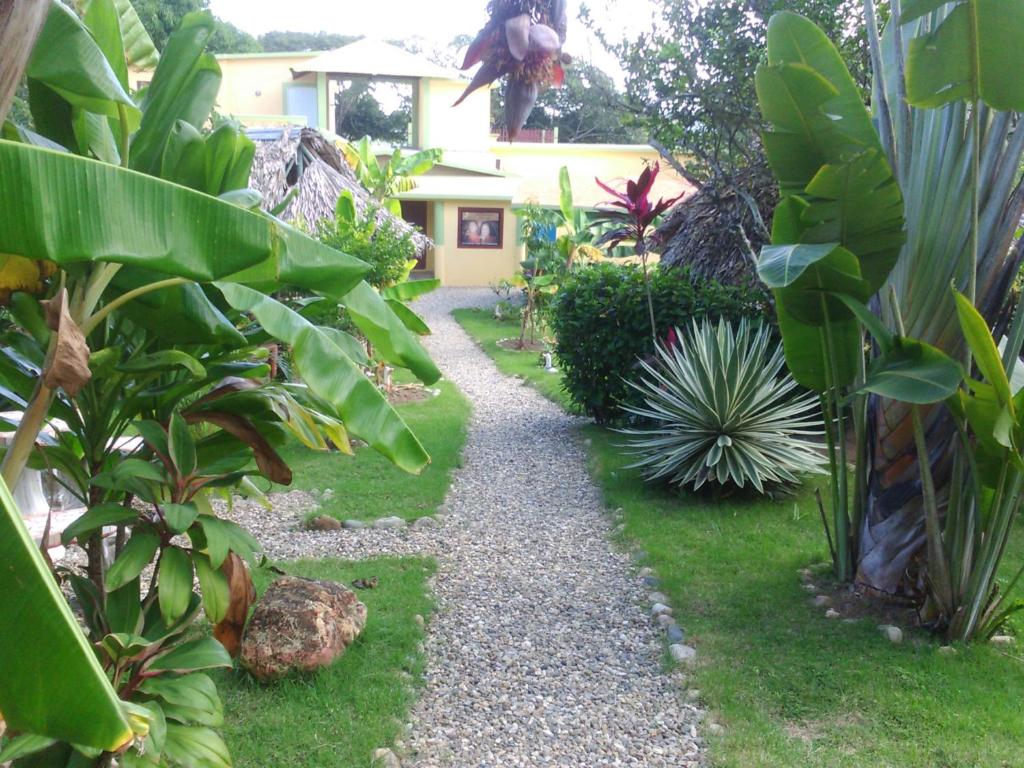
[[465, 204]]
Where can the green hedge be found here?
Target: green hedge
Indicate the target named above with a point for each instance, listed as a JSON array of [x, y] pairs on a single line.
[[601, 322]]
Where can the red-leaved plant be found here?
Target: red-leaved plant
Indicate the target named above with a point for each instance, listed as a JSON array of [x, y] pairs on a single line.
[[635, 220]]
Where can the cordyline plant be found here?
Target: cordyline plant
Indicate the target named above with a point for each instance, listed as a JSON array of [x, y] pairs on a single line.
[[522, 42], [888, 210], [635, 221]]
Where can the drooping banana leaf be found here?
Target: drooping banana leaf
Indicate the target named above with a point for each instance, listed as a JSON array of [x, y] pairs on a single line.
[[334, 378], [388, 333], [68, 209], [51, 683]]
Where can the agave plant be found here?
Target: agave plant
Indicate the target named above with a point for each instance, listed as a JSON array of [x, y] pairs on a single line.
[[722, 413]]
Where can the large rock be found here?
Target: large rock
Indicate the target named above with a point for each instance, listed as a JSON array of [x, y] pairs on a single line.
[[300, 625]]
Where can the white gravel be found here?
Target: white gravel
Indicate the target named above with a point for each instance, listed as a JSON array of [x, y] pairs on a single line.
[[542, 652]]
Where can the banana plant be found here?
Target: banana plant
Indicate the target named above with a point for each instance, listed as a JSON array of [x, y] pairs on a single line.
[[127, 227], [386, 179]]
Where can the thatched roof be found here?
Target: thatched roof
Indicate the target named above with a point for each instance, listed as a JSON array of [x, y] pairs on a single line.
[[718, 231], [311, 165]]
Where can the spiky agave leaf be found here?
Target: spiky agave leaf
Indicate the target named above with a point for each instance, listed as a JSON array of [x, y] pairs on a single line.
[[721, 413]]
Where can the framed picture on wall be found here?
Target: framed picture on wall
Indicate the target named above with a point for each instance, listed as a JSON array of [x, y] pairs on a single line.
[[480, 227]]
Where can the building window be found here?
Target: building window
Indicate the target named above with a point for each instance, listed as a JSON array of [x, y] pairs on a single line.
[[480, 227]]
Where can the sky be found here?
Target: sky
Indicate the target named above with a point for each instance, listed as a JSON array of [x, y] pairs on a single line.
[[437, 21]]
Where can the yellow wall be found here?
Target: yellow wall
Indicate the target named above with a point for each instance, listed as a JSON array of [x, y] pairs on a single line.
[[244, 76], [465, 128], [476, 266], [536, 168], [255, 86]]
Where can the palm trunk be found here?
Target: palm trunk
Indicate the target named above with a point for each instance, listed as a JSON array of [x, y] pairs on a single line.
[[20, 22]]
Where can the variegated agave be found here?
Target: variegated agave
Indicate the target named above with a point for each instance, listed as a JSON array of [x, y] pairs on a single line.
[[721, 413]]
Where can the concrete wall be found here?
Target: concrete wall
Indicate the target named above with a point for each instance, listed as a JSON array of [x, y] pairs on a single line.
[[474, 266]]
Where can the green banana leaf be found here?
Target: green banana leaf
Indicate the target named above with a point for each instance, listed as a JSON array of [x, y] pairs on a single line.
[[139, 50], [334, 378], [129, 218], [973, 53], [409, 319], [388, 333], [103, 21], [51, 683], [410, 289], [184, 87], [67, 59]]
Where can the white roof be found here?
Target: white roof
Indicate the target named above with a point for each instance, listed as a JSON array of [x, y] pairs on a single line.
[[377, 58]]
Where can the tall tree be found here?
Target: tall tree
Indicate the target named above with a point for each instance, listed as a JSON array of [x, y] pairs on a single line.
[[161, 17], [279, 40], [690, 79], [588, 108]]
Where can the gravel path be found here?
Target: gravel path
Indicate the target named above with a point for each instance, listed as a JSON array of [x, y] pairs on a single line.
[[542, 652]]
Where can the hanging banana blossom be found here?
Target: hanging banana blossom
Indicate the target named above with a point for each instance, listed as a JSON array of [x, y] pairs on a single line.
[[522, 42]]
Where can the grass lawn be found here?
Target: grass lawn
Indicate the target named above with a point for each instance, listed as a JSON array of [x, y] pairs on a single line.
[[338, 716], [793, 688], [372, 487], [487, 331]]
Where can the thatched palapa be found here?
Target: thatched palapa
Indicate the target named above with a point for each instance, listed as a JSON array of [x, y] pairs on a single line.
[[718, 231], [306, 166]]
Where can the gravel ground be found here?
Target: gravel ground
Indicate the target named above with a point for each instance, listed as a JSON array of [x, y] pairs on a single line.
[[542, 652]]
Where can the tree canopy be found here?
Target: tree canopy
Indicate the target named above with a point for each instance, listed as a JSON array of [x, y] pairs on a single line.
[[690, 79], [161, 17], [588, 108], [303, 41]]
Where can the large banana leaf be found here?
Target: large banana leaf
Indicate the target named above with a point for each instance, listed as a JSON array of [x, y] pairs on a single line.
[[67, 59], [388, 332], [334, 378], [184, 87], [68, 209], [973, 53], [51, 683]]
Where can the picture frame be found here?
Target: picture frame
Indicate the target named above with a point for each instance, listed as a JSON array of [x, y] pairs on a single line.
[[481, 227]]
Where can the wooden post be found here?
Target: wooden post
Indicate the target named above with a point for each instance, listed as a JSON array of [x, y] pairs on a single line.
[[20, 22]]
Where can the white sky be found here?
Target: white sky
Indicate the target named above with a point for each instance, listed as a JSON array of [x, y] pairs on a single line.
[[437, 21]]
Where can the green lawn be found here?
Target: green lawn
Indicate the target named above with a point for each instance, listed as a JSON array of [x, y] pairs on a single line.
[[487, 331], [338, 716], [370, 486], [793, 688]]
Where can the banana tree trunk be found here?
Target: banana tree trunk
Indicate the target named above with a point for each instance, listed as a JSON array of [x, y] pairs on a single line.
[[20, 22]]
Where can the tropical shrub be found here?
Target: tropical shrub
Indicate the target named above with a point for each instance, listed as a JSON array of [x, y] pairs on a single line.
[[888, 210], [717, 411], [375, 240], [602, 323]]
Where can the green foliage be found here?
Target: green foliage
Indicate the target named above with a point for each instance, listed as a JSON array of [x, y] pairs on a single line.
[[716, 410], [161, 18], [691, 77], [357, 112], [385, 179], [588, 108], [303, 41], [601, 320], [371, 238]]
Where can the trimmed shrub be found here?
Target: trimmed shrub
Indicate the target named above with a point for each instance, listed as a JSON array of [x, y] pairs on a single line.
[[601, 323]]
